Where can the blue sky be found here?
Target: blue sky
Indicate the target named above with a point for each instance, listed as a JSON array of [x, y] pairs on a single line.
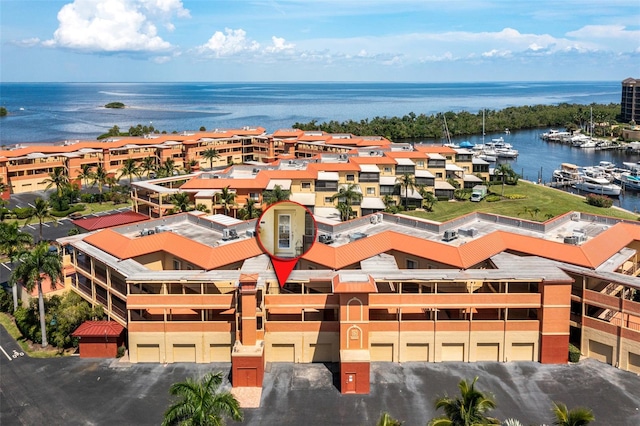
[[327, 40]]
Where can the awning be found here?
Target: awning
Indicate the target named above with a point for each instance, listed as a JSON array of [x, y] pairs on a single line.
[[453, 168], [374, 203], [306, 198], [472, 178], [441, 184], [388, 180], [413, 194], [327, 213], [207, 193], [328, 176], [284, 184], [424, 174], [404, 162], [369, 168], [434, 156]]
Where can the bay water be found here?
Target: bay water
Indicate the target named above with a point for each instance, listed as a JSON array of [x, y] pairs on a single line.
[[53, 112]]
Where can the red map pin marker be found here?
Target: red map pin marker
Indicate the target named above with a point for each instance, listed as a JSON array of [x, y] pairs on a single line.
[[284, 233], [283, 268]]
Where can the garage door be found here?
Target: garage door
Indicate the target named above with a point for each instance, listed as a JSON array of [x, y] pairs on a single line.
[[487, 351], [417, 352], [321, 352], [184, 353], [600, 351], [148, 353], [634, 363], [220, 352], [283, 353], [453, 351], [521, 352], [382, 352]]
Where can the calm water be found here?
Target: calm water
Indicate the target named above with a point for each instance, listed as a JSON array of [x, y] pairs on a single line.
[[54, 112], [50, 112]]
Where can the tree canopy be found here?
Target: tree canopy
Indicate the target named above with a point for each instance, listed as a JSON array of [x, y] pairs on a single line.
[[465, 123]]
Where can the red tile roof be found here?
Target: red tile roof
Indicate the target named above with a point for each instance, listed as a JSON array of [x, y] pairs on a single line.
[[98, 329], [109, 221]]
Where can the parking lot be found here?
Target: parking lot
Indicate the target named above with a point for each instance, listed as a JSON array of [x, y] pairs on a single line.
[[74, 391]]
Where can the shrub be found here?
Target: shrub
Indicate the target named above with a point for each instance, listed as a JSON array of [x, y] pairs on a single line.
[[6, 300], [443, 198], [121, 351], [23, 212], [599, 200], [86, 198], [515, 196], [64, 213], [574, 353], [492, 198]]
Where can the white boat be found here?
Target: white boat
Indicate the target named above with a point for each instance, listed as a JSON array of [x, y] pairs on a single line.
[[597, 185], [589, 144], [506, 153], [629, 180], [488, 158], [567, 172]]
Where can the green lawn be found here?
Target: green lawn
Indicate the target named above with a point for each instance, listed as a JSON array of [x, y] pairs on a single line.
[[549, 202], [90, 208]]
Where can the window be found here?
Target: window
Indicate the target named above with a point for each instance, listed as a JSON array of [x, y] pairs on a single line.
[[254, 196], [351, 178], [328, 200], [371, 191], [412, 264], [176, 265], [387, 169], [439, 175], [420, 163], [306, 185]]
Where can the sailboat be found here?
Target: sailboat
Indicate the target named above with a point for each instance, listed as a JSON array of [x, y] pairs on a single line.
[[483, 151]]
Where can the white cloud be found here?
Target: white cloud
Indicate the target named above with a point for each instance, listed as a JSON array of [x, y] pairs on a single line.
[[279, 44], [115, 25], [229, 43], [495, 53], [27, 42]]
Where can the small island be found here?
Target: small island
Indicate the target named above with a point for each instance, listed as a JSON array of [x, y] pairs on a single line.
[[114, 105], [3, 111]]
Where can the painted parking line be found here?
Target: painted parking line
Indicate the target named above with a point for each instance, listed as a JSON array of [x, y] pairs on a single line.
[[31, 205], [44, 224], [31, 226], [5, 353], [5, 265]]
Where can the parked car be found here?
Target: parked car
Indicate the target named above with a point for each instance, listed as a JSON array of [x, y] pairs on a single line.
[[75, 215]]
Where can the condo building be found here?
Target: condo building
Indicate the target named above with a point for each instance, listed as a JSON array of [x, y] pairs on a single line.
[[200, 287], [376, 288], [630, 103]]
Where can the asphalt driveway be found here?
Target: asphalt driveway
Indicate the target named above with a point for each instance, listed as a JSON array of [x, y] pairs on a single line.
[[74, 391]]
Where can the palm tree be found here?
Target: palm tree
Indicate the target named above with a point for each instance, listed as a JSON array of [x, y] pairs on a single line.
[[387, 420], [99, 177], [181, 201], [227, 198], [348, 194], [503, 170], [148, 165], [85, 173], [41, 211], [202, 403], [129, 168], [12, 242], [408, 182], [345, 211], [577, 417], [250, 209], [276, 195], [466, 410], [210, 154], [168, 168], [33, 268], [58, 178]]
